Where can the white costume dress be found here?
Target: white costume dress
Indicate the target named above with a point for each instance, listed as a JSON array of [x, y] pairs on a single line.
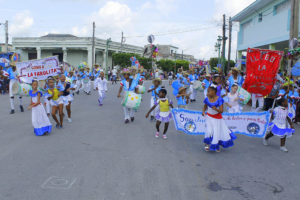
[[102, 88], [217, 133], [40, 121], [235, 106], [279, 125]]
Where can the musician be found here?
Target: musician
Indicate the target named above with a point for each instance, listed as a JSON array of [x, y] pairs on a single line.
[[13, 76], [127, 84]]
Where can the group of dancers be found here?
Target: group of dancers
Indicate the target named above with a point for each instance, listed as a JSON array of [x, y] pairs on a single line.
[[217, 91]]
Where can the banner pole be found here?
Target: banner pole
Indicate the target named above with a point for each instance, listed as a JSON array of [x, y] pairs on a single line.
[[271, 113]]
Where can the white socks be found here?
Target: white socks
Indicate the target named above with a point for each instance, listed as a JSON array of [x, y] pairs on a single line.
[[12, 104]]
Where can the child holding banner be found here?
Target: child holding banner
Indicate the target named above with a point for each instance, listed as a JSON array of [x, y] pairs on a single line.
[[217, 132], [278, 126], [182, 98], [164, 114]]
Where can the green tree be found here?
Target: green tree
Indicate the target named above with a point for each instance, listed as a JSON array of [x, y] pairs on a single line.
[[123, 59], [183, 63], [145, 62]]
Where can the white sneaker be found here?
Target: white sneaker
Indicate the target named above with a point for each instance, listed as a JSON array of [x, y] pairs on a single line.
[[265, 142], [283, 149], [157, 134], [164, 136], [69, 120]]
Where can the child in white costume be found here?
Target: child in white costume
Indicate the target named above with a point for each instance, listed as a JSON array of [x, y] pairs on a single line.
[[101, 86], [232, 100], [217, 133], [40, 121], [279, 126]]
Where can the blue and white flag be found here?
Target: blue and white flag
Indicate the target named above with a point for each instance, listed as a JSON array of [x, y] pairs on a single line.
[[251, 124]]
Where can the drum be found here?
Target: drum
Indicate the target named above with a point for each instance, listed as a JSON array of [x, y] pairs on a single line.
[[131, 100], [245, 94], [21, 89], [86, 80], [68, 80], [141, 89], [198, 86], [41, 86]]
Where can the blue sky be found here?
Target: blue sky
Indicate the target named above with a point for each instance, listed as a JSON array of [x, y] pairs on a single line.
[[187, 24]]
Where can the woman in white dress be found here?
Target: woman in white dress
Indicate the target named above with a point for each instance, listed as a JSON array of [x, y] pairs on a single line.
[[40, 120]]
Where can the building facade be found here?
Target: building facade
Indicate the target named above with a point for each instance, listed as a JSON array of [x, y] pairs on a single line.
[[265, 24], [3, 47], [168, 52], [71, 49]]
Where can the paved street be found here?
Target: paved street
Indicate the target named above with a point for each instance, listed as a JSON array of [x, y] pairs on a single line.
[[99, 157]]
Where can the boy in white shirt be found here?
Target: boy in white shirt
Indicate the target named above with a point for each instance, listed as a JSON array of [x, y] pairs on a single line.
[[114, 76], [101, 86]]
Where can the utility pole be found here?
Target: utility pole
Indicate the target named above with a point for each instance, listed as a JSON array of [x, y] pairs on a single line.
[[93, 45], [182, 55], [122, 42], [106, 50], [224, 43], [294, 27], [6, 36], [229, 44]]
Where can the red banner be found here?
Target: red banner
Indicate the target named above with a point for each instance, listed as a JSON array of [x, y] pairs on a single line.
[[262, 66]]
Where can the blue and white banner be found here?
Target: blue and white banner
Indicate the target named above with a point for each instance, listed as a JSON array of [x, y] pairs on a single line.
[[251, 124]]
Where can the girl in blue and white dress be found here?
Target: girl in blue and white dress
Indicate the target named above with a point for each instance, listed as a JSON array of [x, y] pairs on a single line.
[[279, 126], [217, 132], [40, 121]]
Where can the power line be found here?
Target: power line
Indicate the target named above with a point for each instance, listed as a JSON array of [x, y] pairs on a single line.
[[174, 32]]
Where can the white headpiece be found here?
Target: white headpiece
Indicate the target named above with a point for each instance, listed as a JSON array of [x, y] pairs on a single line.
[[213, 85]]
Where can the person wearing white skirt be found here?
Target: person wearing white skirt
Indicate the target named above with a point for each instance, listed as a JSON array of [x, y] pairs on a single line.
[[40, 120], [191, 79], [232, 100], [217, 133], [279, 126]]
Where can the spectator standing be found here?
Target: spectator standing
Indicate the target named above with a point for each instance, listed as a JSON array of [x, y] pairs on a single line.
[[114, 75], [170, 75], [109, 73]]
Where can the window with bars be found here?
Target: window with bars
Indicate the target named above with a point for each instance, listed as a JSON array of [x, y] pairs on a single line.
[[244, 27], [283, 7], [260, 16]]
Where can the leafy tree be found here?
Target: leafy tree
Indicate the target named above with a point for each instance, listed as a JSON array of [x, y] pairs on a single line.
[[123, 59]]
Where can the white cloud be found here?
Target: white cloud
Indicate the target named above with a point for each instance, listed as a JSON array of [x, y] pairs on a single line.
[[21, 24], [167, 6]]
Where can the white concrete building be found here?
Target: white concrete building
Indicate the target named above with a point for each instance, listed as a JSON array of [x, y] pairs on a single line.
[[71, 49], [265, 24]]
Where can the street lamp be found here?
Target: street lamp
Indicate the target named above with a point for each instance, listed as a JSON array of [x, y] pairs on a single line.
[[218, 47]]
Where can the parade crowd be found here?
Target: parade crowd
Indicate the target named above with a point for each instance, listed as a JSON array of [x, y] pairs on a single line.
[[220, 94]]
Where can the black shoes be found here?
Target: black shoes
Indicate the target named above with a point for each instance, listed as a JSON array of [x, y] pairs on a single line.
[[12, 112], [126, 121], [21, 108], [132, 119]]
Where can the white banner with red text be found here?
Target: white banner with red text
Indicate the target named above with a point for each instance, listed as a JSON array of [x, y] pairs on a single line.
[[40, 69], [251, 124]]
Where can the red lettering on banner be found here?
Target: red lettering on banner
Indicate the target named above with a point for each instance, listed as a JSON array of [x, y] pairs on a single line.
[[262, 72], [34, 73], [54, 70]]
